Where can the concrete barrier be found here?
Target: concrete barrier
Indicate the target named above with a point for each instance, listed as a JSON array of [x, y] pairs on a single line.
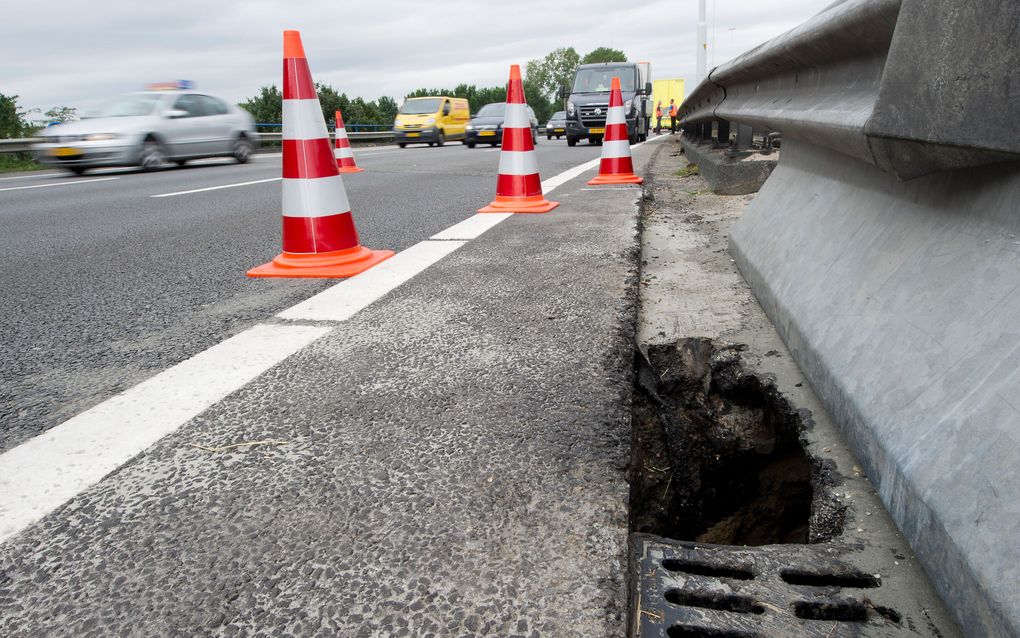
[[885, 247], [727, 175], [900, 303]]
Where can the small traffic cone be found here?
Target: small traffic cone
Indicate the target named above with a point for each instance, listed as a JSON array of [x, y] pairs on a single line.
[[319, 239], [342, 151], [518, 186], [616, 166]]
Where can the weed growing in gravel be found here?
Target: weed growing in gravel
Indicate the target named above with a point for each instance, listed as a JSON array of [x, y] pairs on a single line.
[[687, 171]]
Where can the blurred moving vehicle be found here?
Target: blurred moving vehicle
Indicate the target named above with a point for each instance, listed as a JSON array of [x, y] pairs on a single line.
[[557, 125], [486, 127], [431, 120], [149, 129]]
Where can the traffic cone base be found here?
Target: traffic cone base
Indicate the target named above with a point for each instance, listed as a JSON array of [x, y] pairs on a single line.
[[534, 204], [603, 180], [337, 264], [349, 169]]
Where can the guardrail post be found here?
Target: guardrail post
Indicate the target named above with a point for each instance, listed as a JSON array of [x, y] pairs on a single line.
[[722, 136], [745, 135]]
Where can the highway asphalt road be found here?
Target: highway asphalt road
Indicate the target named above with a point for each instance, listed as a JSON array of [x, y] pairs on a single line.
[[105, 284]]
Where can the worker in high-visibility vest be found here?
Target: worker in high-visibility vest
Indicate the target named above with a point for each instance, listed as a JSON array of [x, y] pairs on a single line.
[[658, 118], [672, 117]]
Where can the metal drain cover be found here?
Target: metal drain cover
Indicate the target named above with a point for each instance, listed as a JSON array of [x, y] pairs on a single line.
[[688, 590]]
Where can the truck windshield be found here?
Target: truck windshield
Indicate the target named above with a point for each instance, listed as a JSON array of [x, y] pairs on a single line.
[[598, 80], [419, 107]]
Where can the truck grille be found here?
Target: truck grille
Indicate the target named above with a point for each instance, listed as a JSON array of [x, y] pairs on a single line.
[[590, 118]]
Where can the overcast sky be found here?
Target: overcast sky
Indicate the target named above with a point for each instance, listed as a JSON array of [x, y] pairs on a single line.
[[78, 53]]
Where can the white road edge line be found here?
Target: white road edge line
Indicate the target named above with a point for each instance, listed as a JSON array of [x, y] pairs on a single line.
[[344, 300], [216, 188], [45, 472], [472, 227], [77, 181]]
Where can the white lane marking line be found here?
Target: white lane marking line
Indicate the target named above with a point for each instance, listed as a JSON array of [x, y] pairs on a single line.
[[571, 173], [567, 175], [492, 150], [343, 300], [472, 227], [43, 473], [77, 181], [216, 188]]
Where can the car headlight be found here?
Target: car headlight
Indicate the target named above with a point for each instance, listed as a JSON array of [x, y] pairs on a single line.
[[470, 127], [99, 137], [431, 120], [396, 123], [570, 108]]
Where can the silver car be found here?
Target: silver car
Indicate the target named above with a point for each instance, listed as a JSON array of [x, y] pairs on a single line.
[[149, 129]]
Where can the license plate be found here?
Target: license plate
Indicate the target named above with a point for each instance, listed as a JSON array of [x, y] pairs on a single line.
[[486, 133], [557, 130], [414, 134], [597, 131], [65, 151]]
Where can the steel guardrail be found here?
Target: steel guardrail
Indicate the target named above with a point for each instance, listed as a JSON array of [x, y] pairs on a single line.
[[890, 82], [18, 145]]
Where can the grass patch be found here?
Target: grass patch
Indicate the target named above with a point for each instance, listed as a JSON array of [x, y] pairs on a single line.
[[10, 163], [687, 171]]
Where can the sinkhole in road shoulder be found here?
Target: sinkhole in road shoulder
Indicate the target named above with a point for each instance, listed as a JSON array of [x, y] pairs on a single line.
[[717, 454]]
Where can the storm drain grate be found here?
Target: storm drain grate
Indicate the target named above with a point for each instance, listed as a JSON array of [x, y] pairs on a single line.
[[692, 590]]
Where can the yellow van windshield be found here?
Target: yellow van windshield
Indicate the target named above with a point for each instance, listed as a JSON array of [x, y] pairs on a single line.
[[419, 107]]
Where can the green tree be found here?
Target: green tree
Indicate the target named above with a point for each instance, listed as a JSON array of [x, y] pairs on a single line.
[[61, 114], [539, 103], [387, 109], [267, 106], [12, 119], [553, 71], [604, 54]]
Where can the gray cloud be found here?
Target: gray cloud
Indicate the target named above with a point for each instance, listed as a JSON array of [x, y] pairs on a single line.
[[79, 53]]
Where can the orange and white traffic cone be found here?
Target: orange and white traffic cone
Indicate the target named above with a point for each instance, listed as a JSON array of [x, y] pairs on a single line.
[[342, 151], [319, 239], [518, 186], [616, 166]]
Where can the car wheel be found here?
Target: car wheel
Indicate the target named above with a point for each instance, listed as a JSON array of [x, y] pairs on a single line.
[[470, 144], [534, 137], [441, 140], [402, 144], [492, 144], [242, 150], [571, 141], [549, 137], [152, 156], [633, 137], [77, 170], [181, 162]]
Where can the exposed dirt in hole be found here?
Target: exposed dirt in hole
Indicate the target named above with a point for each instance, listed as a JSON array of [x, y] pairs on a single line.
[[718, 455]]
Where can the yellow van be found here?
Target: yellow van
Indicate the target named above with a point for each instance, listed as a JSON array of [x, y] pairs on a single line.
[[431, 120]]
